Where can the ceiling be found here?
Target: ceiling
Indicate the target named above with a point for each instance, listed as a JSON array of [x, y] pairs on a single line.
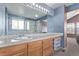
[[21, 10], [72, 13], [69, 14], [56, 5], [68, 4]]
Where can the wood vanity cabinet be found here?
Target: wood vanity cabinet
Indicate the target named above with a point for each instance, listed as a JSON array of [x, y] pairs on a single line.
[[48, 47], [17, 50], [26, 48], [35, 48], [43, 47]]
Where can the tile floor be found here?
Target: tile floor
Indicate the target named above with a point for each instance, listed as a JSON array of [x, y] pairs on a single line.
[[72, 48]]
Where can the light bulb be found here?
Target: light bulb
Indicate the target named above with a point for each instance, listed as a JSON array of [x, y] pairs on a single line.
[[36, 5], [39, 6], [36, 15], [33, 3], [42, 8]]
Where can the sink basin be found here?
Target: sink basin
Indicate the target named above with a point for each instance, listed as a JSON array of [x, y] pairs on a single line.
[[1, 42], [13, 40], [20, 38]]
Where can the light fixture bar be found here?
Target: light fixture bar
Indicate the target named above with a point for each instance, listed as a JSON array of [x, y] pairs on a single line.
[[36, 6]]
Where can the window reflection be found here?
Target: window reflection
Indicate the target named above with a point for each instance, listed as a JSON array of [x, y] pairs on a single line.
[[17, 24], [77, 27], [28, 25], [71, 28], [14, 24]]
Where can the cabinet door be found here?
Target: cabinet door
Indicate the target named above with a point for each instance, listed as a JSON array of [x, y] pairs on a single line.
[[35, 51], [35, 48], [47, 52], [17, 49], [4, 52], [47, 43], [47, 47], [25, 53], [19, 54], [12, 50]]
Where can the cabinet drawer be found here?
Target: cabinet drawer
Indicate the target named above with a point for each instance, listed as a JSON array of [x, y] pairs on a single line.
[[34, 44]]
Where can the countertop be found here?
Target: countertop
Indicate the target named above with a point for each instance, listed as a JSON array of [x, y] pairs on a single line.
[[6, 41]]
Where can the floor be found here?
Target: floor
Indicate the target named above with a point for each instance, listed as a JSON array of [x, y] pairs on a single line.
[[72, 48]]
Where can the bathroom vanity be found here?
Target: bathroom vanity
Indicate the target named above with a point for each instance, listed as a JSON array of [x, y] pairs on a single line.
[[32, 46]]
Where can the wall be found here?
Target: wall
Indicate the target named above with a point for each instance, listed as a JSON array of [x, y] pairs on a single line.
[[2, 20], [73, 19], [73, 7], [56, 22]]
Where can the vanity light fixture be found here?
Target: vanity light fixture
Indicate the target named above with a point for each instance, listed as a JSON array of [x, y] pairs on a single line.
[[36, 6], [39, 6], [33, 4], [27, 4], [48, 11], [36, 15], [44, 9]]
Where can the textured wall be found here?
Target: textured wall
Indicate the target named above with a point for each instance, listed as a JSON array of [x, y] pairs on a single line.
[[56, 23], [2, 20], [73, 7]]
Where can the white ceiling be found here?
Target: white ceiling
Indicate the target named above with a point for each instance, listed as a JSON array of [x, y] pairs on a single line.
[[56, 5], [21, 10], [69, 14], [68, 4], [72, 13]]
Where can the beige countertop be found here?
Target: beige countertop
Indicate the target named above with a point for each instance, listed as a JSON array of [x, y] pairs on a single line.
[[14, 40]]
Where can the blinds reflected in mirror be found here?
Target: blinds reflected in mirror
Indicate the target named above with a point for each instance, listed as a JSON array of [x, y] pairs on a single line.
[[28, 25], [17, 24]]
